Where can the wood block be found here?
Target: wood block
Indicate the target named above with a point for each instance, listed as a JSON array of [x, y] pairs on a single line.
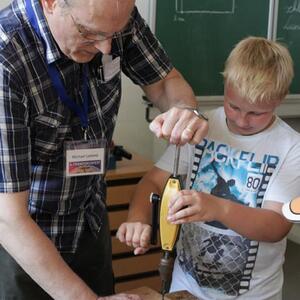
[[152, 282], [181, 295], [147, 294]]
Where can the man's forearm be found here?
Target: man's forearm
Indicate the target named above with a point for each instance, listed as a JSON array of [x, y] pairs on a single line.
[[179, 93], [36, 254], [173, 90]]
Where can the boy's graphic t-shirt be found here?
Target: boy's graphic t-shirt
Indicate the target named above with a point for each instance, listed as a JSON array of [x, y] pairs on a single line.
[[217, 262]]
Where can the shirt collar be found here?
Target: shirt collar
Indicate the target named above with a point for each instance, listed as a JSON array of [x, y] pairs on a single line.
[[52, 51]]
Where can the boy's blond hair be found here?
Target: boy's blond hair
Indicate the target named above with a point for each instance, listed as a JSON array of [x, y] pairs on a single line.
[[261, 70]]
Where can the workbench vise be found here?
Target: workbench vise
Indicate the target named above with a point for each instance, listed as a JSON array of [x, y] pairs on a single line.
[[117, 153]]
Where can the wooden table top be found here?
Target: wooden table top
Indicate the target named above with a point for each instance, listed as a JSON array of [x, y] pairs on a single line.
[[136, 167], [147, 293]]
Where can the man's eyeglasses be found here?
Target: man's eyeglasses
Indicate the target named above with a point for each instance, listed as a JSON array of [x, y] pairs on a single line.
[[98, 37]]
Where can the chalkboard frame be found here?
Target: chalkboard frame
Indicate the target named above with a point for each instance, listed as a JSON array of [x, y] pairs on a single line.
[[270, 30]]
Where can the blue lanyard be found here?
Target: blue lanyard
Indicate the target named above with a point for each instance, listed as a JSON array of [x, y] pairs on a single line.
[[64, 97], [81, 112]]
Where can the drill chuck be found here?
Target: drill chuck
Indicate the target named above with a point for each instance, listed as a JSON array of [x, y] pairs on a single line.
[[165, 270]]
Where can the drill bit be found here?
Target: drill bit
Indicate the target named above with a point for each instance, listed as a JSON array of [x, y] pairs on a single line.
[[176, 161]]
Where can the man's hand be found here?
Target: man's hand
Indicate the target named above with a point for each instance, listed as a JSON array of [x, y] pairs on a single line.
[[136, 235], [180, 126], [121, 297]]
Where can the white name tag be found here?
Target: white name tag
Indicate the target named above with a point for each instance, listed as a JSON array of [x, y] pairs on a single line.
[[85, 161]]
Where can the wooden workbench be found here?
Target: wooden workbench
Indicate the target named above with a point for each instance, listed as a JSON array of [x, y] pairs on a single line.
[[147, 293], [131, 271]]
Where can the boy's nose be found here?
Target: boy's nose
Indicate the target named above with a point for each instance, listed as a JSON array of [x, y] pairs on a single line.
[[242, 120]]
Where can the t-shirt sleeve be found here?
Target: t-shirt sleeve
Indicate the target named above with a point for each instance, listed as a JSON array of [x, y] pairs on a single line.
[[286, 184]]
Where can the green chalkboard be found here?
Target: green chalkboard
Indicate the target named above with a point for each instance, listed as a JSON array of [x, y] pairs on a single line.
[[288, 32], [199, 34]]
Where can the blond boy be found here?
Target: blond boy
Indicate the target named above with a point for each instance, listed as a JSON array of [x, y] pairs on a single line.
[[233, 234]]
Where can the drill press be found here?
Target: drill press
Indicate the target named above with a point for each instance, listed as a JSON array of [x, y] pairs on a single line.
[[168, 232]]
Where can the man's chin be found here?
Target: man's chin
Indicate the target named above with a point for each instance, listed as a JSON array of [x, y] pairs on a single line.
[[81, 57]]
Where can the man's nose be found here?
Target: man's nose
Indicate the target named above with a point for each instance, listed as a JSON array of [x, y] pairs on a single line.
[[103, 46]]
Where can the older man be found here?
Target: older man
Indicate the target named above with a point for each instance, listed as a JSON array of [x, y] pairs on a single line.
[[60, 64]]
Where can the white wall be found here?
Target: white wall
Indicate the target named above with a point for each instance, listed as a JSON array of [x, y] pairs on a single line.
[[4, 3], [132, 129]]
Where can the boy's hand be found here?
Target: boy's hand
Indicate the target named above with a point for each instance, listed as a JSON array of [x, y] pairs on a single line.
[[180, 126], [136, 235], [192, 206]]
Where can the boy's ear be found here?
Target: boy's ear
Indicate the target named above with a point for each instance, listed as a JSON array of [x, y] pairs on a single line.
[[279, 102]]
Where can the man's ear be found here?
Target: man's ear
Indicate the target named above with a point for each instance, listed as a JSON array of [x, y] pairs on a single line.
[[48, 5]]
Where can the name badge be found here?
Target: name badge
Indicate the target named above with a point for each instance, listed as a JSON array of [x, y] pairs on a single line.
[[84, 158]]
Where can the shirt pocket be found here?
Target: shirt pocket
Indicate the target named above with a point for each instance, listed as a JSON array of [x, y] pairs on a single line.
[[105, 105], [48, 135]]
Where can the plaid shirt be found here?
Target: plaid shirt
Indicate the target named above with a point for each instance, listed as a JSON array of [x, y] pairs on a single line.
[[34, 123]]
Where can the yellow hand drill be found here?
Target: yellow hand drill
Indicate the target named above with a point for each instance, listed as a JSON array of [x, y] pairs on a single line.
[[168, 232]]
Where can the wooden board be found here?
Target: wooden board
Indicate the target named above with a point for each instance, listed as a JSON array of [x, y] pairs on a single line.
[[136, 167], [136, 264], [152, 282], [181, 295], [148, 294]]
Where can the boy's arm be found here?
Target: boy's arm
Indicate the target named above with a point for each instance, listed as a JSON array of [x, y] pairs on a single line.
[[136, 232], [140, 206], [262, 224]]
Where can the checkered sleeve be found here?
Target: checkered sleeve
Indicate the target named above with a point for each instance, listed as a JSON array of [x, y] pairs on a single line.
[[145, 61], [14, 135]]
